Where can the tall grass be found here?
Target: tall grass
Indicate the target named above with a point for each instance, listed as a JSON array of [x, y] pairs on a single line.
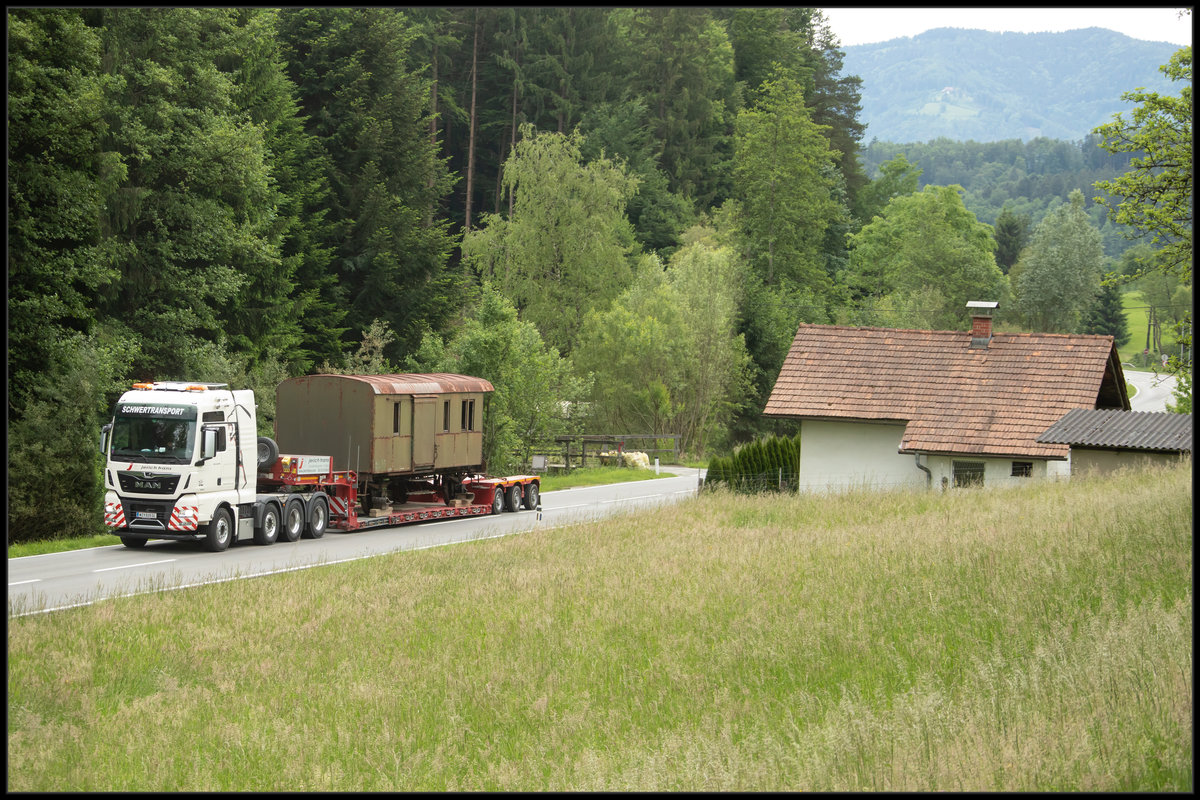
[[1034, 638]]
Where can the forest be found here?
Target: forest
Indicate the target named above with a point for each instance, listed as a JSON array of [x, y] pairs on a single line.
[[618, 216]]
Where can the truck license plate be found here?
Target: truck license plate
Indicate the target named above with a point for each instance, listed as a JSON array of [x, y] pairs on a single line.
[[147, 515]]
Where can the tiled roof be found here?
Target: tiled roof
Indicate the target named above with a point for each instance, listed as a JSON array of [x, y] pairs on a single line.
[[956, 399], [1123, 430]]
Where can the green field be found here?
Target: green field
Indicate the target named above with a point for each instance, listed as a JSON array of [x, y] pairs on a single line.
[[1037, 638], [1137, 318]]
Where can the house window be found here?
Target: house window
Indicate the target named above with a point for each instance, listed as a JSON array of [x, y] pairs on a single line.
[[968, 473], [1022, 469], [446, 416]]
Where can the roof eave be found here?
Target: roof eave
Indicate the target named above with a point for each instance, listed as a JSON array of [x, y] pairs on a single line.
[[979, 454]]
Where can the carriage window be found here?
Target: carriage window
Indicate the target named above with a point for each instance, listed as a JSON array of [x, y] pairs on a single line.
[[468, 415], [396, 418], [446, 416]]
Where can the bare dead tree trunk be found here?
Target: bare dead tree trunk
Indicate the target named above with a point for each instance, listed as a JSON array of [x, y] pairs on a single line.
[[471, 138], [433, 126], [513, 138]]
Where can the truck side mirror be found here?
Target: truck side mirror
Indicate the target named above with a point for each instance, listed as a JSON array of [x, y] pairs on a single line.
[[104, 431], [208, 445]]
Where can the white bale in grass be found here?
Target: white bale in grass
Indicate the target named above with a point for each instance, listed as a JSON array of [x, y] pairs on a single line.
[[632, 459]]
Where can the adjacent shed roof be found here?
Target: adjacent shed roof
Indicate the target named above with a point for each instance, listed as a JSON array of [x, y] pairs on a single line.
[[421, 383], [1122, 430], [994, 400]]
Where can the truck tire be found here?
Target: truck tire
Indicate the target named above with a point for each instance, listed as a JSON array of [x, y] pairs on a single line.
[[268, 531], [219, 532], [512, 498], [318, 517], [531, 496], [268, 452], [498, 500], [293, 519], [134, 542]]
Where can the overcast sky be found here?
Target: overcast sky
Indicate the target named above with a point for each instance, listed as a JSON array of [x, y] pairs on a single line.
[[868, 25]]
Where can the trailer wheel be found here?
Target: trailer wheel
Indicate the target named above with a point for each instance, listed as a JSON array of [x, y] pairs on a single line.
[[219, 532], [268, 452], [531, 496], [318, 517], [512, 497], [134, 542], [268, 532], [293, 519], [498, 500]]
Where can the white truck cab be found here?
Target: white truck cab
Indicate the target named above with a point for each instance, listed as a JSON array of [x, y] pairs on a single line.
[[181, 463]]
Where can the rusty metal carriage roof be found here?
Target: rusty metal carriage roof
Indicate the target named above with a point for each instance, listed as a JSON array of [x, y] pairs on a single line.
[[1124, 430], [421, 383]]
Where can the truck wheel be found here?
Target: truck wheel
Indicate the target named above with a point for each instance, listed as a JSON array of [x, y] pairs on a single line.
[[293, 519], [318, 517], [134, 542], [268, 532], [512, 497], [268, 452], [531, 496], [219, 531], [498, 500]]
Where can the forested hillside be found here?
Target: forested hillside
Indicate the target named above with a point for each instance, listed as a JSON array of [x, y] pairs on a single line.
[[617, 216], [1028, 178], [971, 84]]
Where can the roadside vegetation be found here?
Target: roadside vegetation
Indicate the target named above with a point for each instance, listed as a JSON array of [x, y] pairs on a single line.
[[1035, 638]]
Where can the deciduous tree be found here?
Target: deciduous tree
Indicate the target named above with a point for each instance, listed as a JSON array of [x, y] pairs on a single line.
[[927, 239], [1061, 269], [566, 248], [666, 356], [1156, 193]]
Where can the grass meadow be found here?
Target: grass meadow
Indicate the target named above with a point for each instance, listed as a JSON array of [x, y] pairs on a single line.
[[1037, 638], [1137, 318]]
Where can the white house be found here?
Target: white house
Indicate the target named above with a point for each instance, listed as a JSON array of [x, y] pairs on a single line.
[[889, 408]]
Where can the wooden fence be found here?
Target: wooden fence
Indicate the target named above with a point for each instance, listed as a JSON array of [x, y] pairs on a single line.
[[574, 452]]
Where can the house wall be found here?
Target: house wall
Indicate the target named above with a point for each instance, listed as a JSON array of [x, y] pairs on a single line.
[[996, 471], [1088, 460], [855, 455]]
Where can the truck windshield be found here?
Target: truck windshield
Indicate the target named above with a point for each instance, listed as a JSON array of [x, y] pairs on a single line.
[[157, 439]]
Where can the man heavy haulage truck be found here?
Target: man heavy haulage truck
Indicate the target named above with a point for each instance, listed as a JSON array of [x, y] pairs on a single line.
[[183, 460]]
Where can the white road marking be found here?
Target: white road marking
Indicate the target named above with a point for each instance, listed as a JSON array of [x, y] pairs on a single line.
[[22, 583], [133, 566]]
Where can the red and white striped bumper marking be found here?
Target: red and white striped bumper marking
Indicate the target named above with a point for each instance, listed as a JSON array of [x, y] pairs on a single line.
[[338, 507], [184, 518], [114, 515]]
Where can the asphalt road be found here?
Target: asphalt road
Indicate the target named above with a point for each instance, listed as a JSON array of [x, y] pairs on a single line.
[[38, 584], [1154, 390]]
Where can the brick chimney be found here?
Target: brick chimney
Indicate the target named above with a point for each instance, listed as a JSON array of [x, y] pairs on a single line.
[[981, 322]]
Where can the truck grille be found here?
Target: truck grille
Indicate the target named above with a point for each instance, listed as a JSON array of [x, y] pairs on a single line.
[[148, 514], [138, 484]]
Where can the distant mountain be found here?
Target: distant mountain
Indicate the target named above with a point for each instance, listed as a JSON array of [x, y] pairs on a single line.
[[971, 84]]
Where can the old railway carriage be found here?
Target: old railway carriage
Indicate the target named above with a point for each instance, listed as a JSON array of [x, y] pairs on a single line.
[[401, 433]]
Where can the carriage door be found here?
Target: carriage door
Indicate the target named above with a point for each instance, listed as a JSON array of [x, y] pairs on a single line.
[[424, 429]]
